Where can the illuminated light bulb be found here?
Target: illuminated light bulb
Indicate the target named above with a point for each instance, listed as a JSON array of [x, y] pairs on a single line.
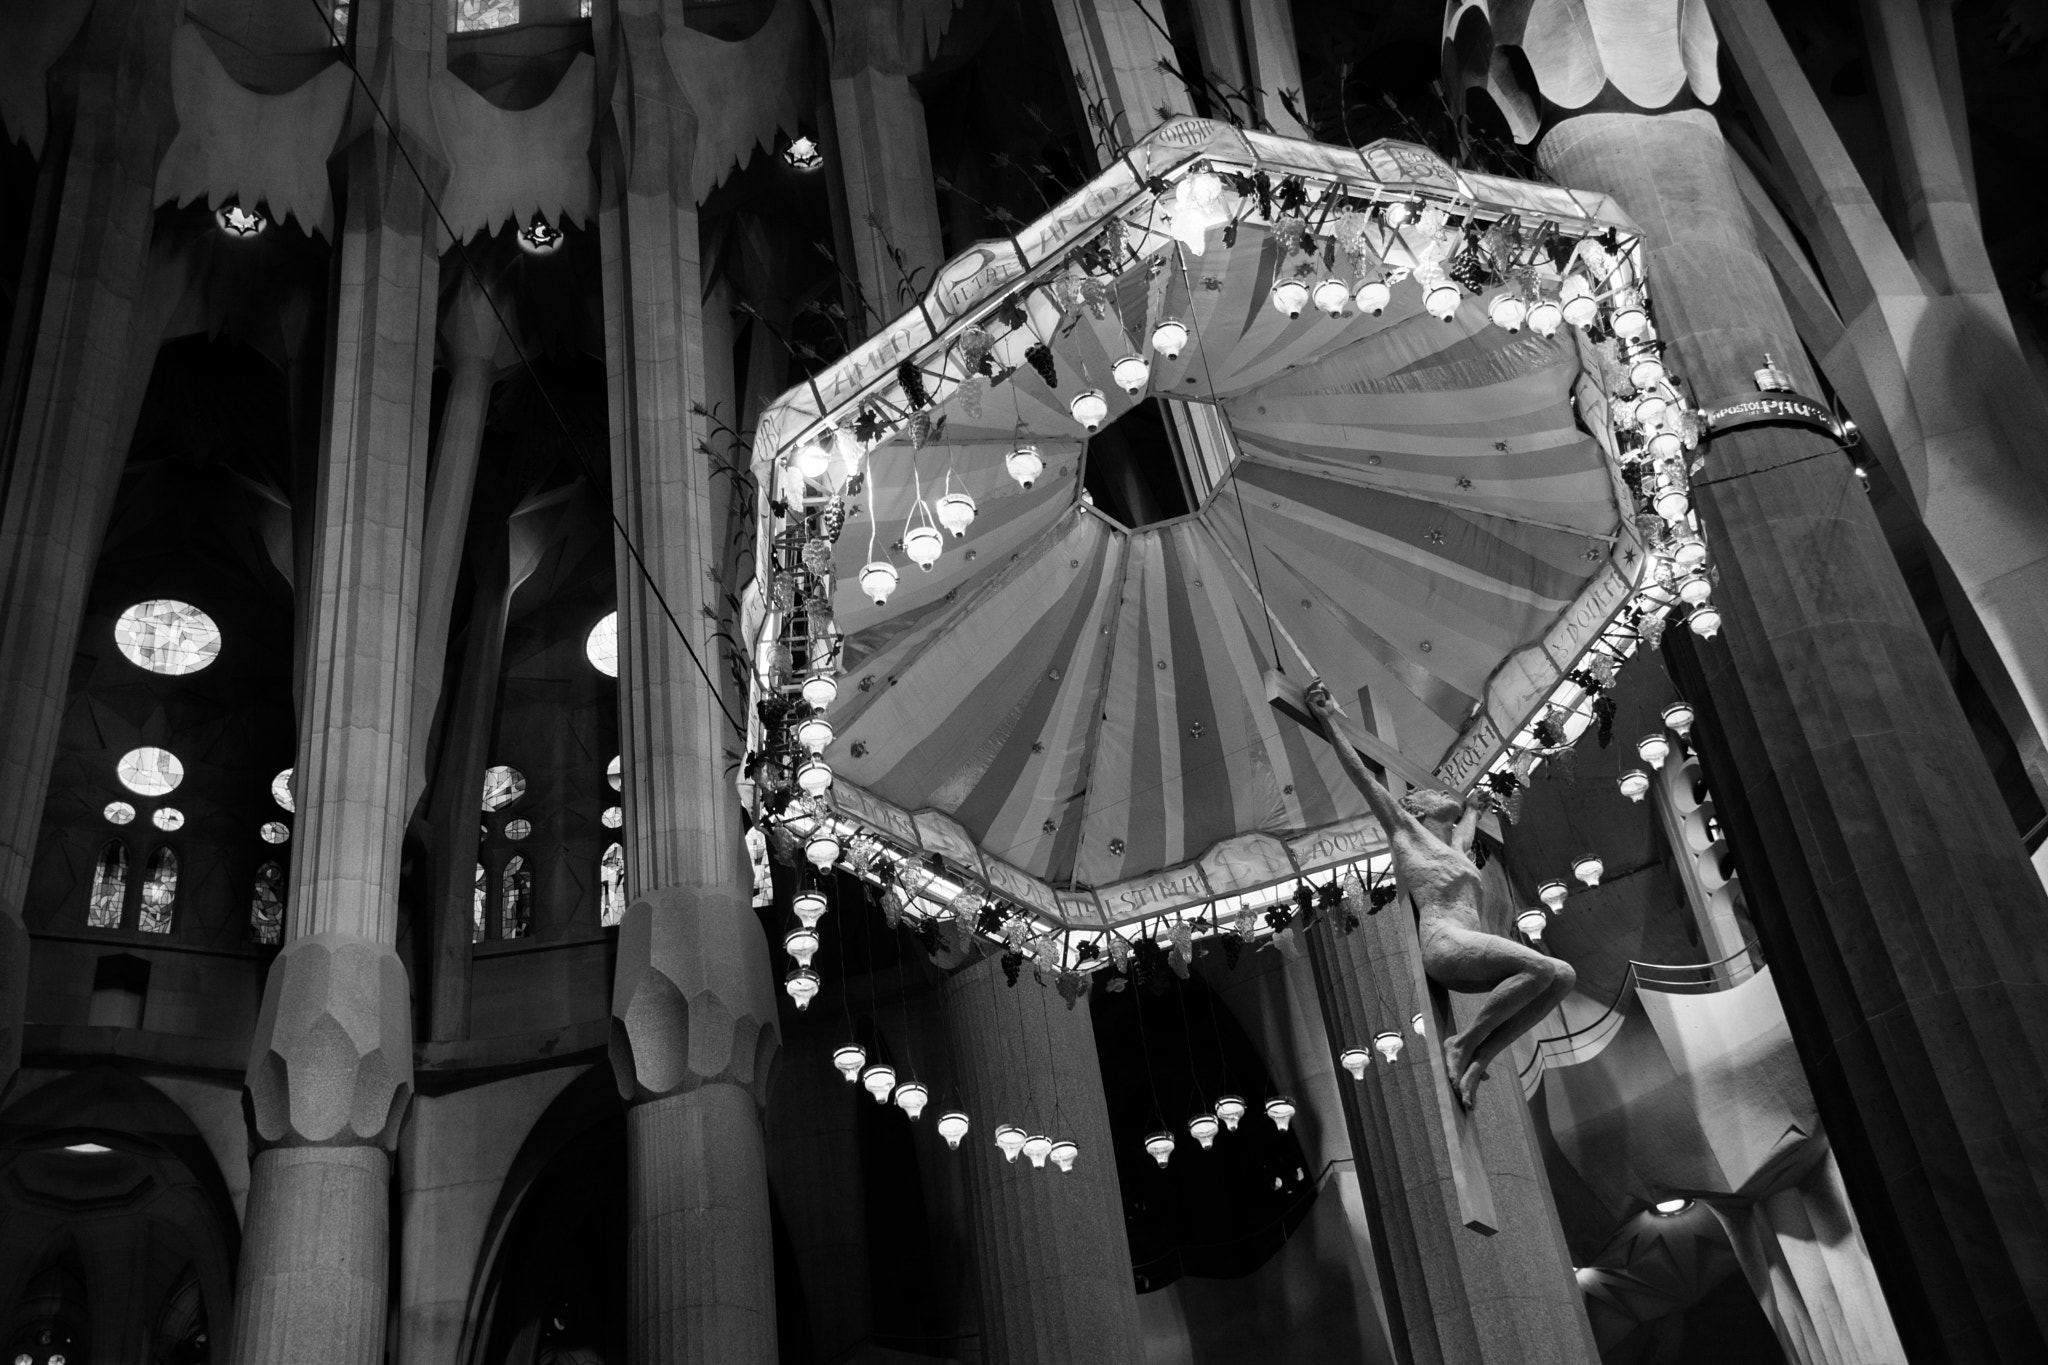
[[802, 985], [956, 512], [1634, 784], [1673, 503], [1531, 922], [1373, 295], [1629, 320], [1416, 1024], [1650, 410], [1331, 295], [1588, 869], [1131, 374], [922, 544], [953, 1126], [1646, 370], [1230, 1108], [912, 1097], [1010, 1141], [1037, 1148], [1024, 465], [1576, 300], [1705, 621], [850, 1058], [1280, 1109], [1679, 716], [1665, 1208], [815, 777], [810, 905], [1160, 1147], [814, 733], [1689, 553], [1442, 299], [1064, 1153], [1203, 1128], [878, 580], [820, 690], [878, 1080], [801, 944], [822, 848], [1170, 338], [1552, 894], [1545, 317], [814, 456], [1089, 408], [1355, 1060], [1507, 311], [1694, 589], [1396, 214], [1665, 445], [1388, 1043], [1290, 296]]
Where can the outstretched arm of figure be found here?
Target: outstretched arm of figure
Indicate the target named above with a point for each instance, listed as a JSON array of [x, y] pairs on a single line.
[[1389, 811], [1476, 803]]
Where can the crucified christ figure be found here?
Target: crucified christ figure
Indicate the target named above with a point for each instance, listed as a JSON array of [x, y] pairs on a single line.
[[1431, 833]]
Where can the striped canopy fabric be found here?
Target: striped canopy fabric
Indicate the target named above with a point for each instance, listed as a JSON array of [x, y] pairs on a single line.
[[1402, 505]]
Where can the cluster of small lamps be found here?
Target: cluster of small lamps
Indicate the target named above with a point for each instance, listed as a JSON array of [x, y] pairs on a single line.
[[1223, 1116], [1388, 1042]]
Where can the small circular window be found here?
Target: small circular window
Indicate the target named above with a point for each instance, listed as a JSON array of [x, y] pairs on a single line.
[[613, 817], [518, 829], [502, 786], [150, 771], [164, 636], [119, 812], [613, 776], [601, 646], [274, 832], [168, 819], [281, 789]]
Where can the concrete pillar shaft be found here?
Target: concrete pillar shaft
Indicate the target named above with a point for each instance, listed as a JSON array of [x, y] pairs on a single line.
[[891, 200], [1115, 51], [315, 1256], [1052, 1260]]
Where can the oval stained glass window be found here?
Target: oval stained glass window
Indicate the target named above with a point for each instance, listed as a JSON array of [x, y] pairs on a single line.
[[168, 819], [516, 830], [275, 831], [150, 771], [165, 636], [613, 817], [281, 789], [601, 646], [118, 812], [502, 786]]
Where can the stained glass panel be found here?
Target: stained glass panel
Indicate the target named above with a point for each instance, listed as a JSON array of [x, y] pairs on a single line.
[[150, 771], [611, 876], [472, 16], [601, 647], [515, 905], [502, 786], [480, 905], [165, 636], [109, 887], [159, 891], [266, 906]]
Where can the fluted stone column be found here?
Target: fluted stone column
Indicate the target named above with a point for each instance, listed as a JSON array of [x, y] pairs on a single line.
[[694, 1031], [1115, 51], [1455, 1295], [814, 1157], [1052, 1259]]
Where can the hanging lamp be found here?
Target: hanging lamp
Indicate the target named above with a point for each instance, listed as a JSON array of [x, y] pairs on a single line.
[[1064, 1153], [801, 944], [802, 985], [1280, 1109], [1552, 894], [1388, 1042], [1024, 465], [878, 1080], [1230, 1108], [849, 1058], [1355, 1060], [911, 1098], [953, 1126], [1170, 338], [1159, 1146], [1009, 1141], [1132, 374]]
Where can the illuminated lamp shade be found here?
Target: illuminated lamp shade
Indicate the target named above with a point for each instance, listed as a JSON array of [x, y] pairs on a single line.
[[1009, 1141], [822, 848], [814, 733], [810, 905], [1508, 311], [820, 690], [1230, 1108], [1665, 443], [1089, 408], [1679, 716], [1634, 784], [850, 1058], [1290, 296], [1331, 295], [1629, 319], [1203, 1127], [1416, 1024], [1280, 1109], [1673, 502], [1694, 589], [1170, 338], [1552, 894], [1132, 373], [1646, 370], [1545, 317], [814, 456], [1442, 299], [912, 1097], [1355, 1060], [1024, 465], [1649, 412], [801, 944], [1666, 1208], [802, 985], [922, 544], [1372, 295], [1705, 621], [1037, 1148], [1531, 922], [1396, 214], [1689, 553], [879, 1080], [1578, 303], [878, 580], [1588, 869], [1388, 1044], [953, 1126], [1159, 1146], [956, 512], [815, 777], [1064, 1153]]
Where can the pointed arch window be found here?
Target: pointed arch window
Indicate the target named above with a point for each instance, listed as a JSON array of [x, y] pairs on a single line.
[[611, 877], [109, 887], [159, 891], [266, 906], [480, 907], [515, 901]]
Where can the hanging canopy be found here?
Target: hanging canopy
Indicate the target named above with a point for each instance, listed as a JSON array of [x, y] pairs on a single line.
[[1426, 513]]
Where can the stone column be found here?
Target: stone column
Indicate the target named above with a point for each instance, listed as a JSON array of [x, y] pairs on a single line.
[[694, 1029], [814, 1157], [1455, 1295], [1894, 900], [330, 1070], [1115, 50], [1052, 1260], [1248, 46]]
